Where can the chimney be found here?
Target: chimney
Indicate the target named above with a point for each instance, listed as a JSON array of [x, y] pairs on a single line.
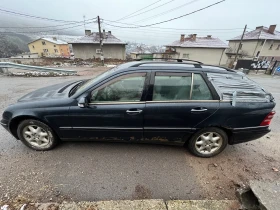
[[87, 32], [109, 32], [182, 39], [271, 29], [194, 37], [259, 27], [54, 38], [209, 36]]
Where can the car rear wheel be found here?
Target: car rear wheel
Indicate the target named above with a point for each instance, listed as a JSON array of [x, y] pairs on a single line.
[[36, 135], [208, 142]]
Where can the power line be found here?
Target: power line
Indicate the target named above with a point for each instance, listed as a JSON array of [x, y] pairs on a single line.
[[175, 17], [163, 13], [149, 9], [48, 26], [36, 17], [139, 10], [174, 28], [173, 33], [29, 32]]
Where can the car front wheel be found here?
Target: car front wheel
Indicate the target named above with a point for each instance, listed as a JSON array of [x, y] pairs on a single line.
[[208, 142], [36, 135]]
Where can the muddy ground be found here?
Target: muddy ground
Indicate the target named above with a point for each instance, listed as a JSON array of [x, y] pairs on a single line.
[[104, 171]]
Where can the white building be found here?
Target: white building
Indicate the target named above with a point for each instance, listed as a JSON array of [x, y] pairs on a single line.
[[88, 46], [207, 50], [263, 43]]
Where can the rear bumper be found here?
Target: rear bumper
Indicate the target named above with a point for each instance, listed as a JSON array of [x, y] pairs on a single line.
[[240, 135]]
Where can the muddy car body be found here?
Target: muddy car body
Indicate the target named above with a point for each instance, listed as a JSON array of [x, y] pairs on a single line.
[[201, 106]]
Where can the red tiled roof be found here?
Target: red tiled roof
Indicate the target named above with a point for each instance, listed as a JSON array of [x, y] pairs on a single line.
[[93, 38], [199, 42], [260, 33]]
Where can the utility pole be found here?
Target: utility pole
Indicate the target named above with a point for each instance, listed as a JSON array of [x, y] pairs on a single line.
[[101, 41], [239, 46], [84, 21]]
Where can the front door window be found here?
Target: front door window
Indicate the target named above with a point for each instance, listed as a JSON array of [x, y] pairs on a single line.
[[127, 88]]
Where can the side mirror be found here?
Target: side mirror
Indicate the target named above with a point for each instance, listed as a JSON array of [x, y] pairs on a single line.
[[83, 102]]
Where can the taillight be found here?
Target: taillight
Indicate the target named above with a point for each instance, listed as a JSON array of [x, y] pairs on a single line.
[[268, 118]]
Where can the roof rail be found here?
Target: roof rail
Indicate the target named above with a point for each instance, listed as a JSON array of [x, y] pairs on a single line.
[[166, 59]]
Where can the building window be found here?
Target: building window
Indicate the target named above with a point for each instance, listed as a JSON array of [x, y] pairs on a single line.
[[55, 50], [54, 45], [186, 56], [33, 47], [45, 50], [278, 47], [43, 43], [271, 45]]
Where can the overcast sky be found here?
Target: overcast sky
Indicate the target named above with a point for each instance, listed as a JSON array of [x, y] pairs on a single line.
[[230, 14]]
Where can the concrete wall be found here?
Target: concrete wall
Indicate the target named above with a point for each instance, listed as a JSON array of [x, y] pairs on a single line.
[[88, 51], [34, 55], [251, 47], [53, 49], [204, 55]]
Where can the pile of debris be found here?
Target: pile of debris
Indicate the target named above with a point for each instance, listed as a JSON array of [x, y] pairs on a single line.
[[41, 74]]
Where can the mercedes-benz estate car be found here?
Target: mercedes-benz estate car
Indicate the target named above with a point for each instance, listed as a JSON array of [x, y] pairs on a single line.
[[200, 106]]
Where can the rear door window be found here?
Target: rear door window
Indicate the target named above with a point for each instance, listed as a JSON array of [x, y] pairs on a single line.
[[168, 87], [200, 89], [180, 86]]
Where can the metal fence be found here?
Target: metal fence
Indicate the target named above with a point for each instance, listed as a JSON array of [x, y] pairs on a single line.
[[7, 65]]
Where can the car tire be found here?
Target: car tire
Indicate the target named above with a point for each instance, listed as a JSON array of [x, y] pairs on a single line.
[[208, 142], [37, 135]]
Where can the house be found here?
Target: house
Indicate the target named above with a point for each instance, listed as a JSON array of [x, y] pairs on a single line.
[[139, 53], [88, 46], [49, 47], [262, 43], [208, 50]]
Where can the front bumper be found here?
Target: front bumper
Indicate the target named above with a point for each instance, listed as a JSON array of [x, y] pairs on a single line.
[[5, 123], [240, 135]]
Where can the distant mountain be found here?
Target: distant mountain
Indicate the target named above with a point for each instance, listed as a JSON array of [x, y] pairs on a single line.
[[13, 44], [143, 48]]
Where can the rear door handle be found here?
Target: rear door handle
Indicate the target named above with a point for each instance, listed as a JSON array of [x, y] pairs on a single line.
[[201, 109], [138, 111]]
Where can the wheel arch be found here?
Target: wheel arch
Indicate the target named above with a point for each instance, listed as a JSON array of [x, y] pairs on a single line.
[[228, 131], [13, 125]]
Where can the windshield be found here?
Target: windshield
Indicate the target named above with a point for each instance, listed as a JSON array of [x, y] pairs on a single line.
[[85, 85]]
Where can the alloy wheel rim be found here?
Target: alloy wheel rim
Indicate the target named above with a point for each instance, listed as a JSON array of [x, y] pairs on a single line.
[[36, 136], [208, 143]]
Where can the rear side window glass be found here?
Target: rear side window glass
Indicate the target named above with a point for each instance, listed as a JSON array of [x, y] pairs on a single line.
[[200, 89], [168, 88]]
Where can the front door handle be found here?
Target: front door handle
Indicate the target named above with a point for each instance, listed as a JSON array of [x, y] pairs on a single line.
[[137, 111], [200, 109]]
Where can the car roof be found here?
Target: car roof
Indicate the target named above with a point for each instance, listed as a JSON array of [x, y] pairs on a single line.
[[170, 65]]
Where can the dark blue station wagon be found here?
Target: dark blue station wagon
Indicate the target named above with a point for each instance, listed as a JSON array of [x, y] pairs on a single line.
[[181, 103]]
